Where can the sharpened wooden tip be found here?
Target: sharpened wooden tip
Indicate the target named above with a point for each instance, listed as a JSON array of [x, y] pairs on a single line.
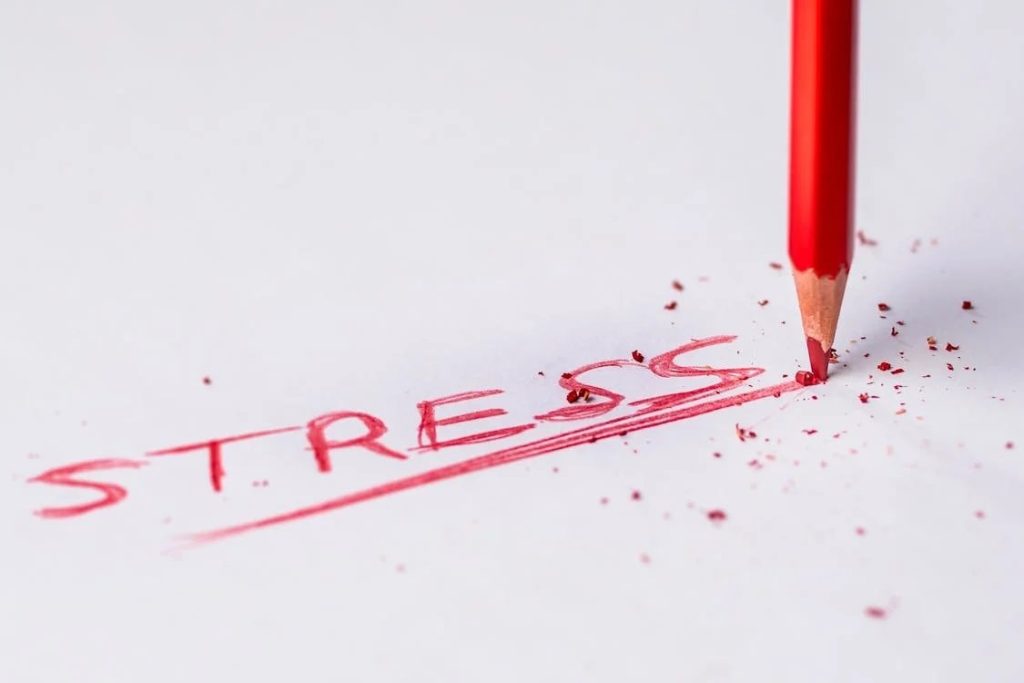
[[820, 299]]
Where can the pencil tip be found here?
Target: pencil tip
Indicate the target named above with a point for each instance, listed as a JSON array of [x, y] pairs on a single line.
[[819, 359]]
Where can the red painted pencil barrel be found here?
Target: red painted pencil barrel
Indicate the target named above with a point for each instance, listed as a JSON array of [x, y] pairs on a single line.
[[822, 124]]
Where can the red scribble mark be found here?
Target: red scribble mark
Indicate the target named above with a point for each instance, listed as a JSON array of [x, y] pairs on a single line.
[[875, 612], [427, 435], [603, 430], [213, 447], [64, 476], [322, 447]]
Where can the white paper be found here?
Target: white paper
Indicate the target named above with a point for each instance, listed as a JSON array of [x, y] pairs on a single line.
[[353, 207]]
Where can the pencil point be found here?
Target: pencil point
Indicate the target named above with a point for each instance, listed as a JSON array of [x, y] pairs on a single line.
[[820, 299], [819, 358]]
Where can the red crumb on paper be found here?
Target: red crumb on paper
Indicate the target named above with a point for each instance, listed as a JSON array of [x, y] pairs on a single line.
[[863, 398], [636, 495], [677, 285], [950, 347], [898, 371], [717, 515], [967, 305], [637, 356], [833, 356], [207, 381], [884, 307], [584, 394], [717, 454], [775, 266], [1009, 445], [875, 612], [572, 396], [762, 302], [860, 531], [566, 375], [949, 366], [604, 500], [865, 240], [885, 366], [805, 378], [671, 306], [980, 514], [745, 434], [894, 332], [645, 558], [808, 432]]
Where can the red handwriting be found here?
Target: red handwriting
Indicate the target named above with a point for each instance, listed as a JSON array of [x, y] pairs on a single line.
[[503, 457], [322, 446], [63, 476], [646, 413], [429, 423], [213, 447]]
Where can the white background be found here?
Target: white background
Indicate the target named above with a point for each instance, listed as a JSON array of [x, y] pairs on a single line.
[[329, 206]]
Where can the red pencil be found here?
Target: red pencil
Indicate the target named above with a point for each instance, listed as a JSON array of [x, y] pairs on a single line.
[[821, 170]]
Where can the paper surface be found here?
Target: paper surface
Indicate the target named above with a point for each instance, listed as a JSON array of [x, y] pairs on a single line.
[[228, 218]]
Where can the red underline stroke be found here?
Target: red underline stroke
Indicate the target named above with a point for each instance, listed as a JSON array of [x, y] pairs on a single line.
[[576, 437]]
